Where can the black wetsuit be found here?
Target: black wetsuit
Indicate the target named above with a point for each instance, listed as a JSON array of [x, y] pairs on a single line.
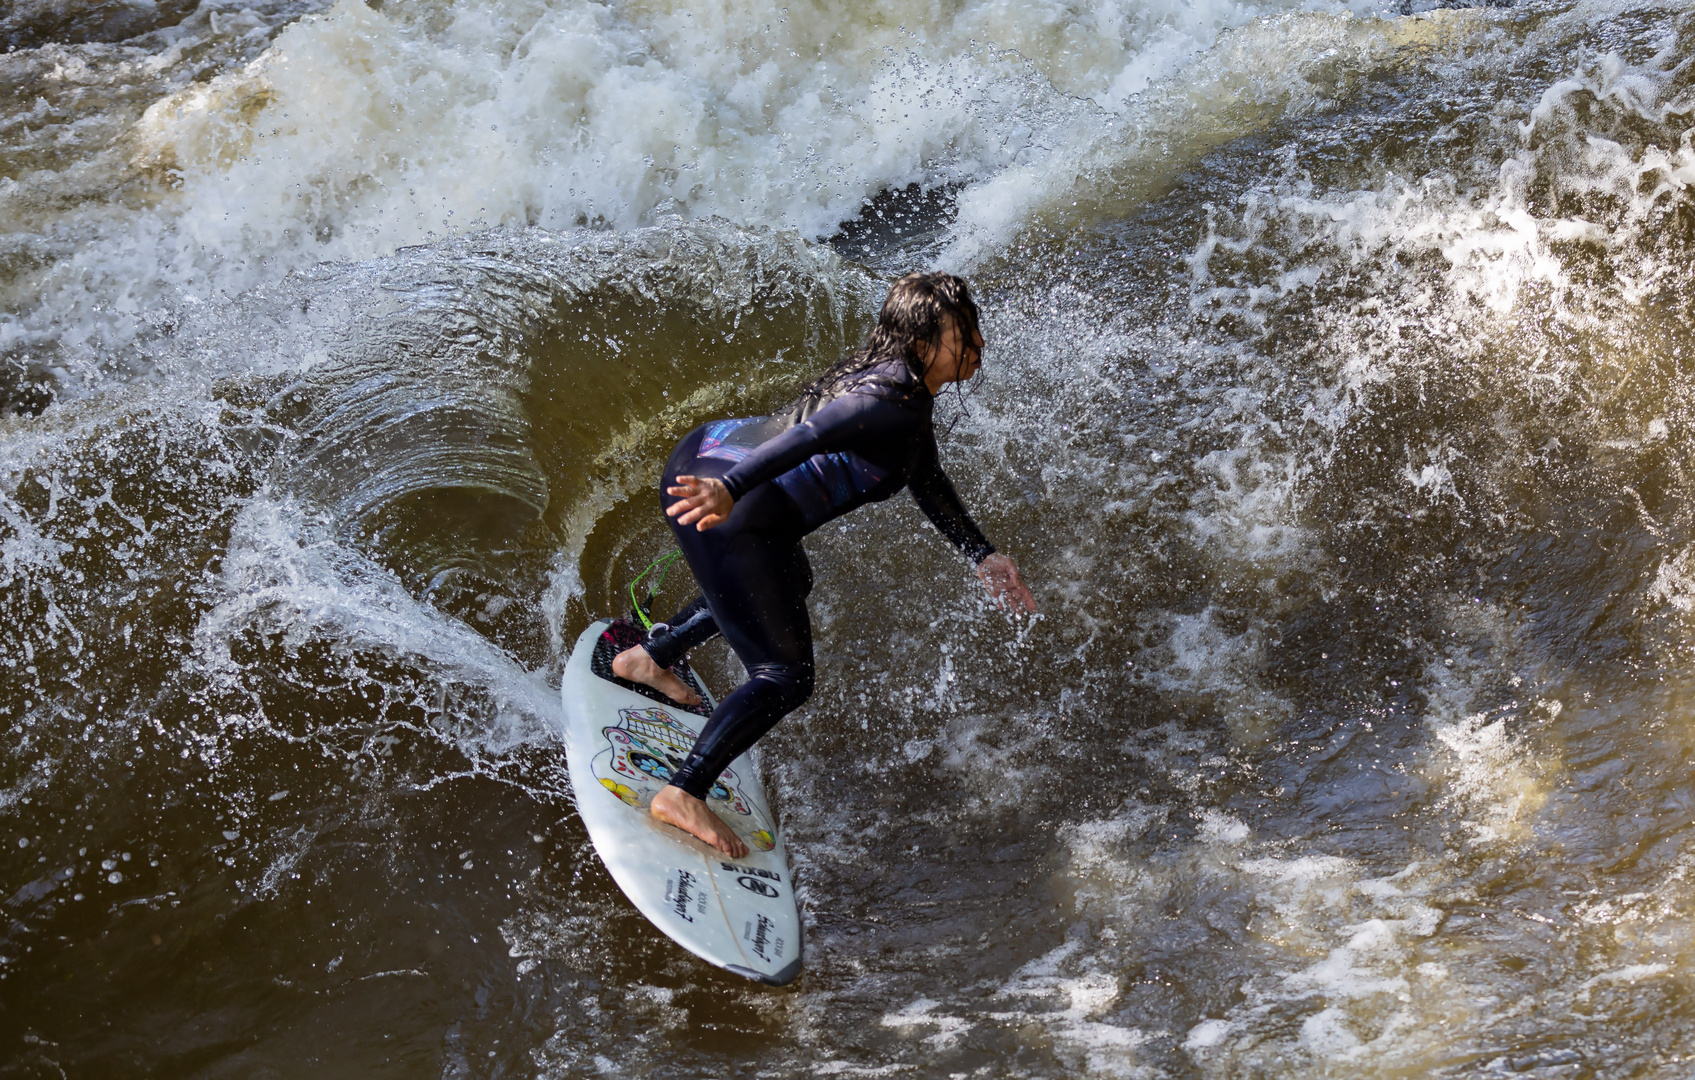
[[790, 473]]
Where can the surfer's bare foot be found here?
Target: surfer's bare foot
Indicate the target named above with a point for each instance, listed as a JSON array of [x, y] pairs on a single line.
[[637, 666], [674, 806]]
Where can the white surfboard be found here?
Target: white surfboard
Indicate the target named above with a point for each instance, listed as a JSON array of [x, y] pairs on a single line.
[[623, 746]]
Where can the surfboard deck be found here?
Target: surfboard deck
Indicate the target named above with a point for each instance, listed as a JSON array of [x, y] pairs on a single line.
[[623, 742]]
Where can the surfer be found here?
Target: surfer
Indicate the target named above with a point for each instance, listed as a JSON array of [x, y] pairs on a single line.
[[741, 493]]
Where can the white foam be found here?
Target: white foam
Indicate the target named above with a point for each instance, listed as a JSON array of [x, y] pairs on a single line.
[[1221, 828], [1489, 777], [1498, 240], [1326, 1034], [286, 577], [1207, 1034], [1632, 973], [1340, 947], [948, 1030], [1206, 660], [1076, 992], [1104, 163], [362, 130]]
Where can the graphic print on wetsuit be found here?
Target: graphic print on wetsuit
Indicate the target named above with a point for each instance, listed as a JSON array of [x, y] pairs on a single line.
[[823, 486]]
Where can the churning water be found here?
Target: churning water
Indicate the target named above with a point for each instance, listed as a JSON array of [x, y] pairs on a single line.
[[1339, 403]]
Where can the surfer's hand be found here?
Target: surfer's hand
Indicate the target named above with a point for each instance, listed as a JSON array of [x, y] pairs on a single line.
[[1000, 574], [704, 502]]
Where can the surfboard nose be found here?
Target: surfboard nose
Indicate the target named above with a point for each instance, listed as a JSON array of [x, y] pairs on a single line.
[[781, 978]]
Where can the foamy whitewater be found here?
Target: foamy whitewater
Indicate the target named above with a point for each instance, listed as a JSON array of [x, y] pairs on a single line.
[[1336, 405]]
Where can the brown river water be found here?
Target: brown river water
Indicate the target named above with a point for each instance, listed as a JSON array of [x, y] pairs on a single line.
[[1335, 406]]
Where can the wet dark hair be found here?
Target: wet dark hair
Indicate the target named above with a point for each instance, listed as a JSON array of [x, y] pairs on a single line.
[[917, 309]]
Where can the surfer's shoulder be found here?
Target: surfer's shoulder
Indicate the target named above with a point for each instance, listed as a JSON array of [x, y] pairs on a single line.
[[890, 380]]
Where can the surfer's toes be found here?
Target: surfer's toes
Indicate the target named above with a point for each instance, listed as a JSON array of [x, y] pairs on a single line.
[[675, 689], [637, 666], [726, 841], [727, 844]]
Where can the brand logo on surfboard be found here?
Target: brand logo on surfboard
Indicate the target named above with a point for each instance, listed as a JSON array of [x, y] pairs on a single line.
[[766, 945], [684, 894], [753, 884], [768, 875]]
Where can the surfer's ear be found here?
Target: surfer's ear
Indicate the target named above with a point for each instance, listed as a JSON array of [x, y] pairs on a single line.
[[927, 349]]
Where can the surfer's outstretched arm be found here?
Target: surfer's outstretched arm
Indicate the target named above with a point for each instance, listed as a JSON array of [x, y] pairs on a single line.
[[935, 495]]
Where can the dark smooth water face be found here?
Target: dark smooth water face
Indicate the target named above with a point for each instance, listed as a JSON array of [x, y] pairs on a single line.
[[1335, 405]]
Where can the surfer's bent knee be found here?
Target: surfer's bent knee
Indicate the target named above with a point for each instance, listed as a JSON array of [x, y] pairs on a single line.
[[793, 683], [778, 689]]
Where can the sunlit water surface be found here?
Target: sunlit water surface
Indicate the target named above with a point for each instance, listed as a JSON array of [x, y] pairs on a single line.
[[1338, 405]]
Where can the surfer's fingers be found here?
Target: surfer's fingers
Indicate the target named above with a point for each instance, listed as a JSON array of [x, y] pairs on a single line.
[[690, 507], [692, 486], [1000, 576], [1019, 594], [699, 510], [1016, 598], [1017, 591]]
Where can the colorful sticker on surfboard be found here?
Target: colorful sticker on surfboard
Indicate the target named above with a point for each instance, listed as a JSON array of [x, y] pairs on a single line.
[[645, 749]]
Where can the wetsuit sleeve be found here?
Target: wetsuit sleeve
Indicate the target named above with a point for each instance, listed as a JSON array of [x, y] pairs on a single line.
[[845, 423], [935, 495]]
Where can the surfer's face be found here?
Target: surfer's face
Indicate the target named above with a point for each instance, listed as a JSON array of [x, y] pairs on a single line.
[[954, 360]]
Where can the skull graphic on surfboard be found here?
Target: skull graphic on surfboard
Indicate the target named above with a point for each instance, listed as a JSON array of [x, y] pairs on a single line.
[[646, 747]]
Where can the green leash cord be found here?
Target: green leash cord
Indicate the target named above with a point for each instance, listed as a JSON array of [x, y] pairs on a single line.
[[663, 565]]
